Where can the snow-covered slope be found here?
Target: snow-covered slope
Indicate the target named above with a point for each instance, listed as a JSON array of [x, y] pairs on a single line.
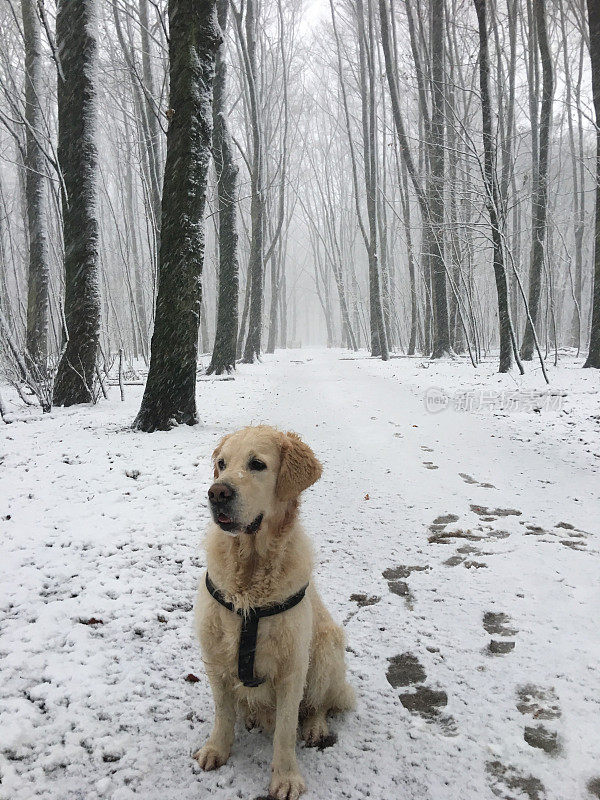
[[459, 549]]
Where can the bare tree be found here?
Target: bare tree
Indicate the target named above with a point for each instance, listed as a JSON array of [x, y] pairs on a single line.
[[507, 338], [247, 38], [38, 299], [379, 335], [77, 44], [170, 394], [441, 339], [364, 122], [540, 180], [593, 359], [224, 352], [431, 200]]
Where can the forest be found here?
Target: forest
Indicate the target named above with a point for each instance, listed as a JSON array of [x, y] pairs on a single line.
[[373, 225], [411, 178]]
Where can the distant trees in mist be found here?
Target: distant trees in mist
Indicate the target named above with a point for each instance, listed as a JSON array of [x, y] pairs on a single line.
[[236, 176]]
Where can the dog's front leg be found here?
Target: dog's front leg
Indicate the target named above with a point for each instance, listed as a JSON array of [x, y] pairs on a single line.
[[216, 750], [287, 783]]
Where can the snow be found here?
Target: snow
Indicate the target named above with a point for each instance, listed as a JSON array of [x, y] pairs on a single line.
[[99, 566]]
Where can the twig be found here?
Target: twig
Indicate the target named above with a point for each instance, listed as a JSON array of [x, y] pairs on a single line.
[[121, 387], [4, 411]]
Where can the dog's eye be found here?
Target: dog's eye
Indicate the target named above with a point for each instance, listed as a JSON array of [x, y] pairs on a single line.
[[221, 464], [257, 465]]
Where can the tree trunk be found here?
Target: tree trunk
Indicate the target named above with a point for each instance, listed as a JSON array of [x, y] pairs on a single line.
[[38, 300], [170, 394], [593, 359], [131, 216], [405, 200], [153, 126], [540, 188], [432, 203], [276, 253], [583, 172], [257, 203], [441, 330], [224, 352], [283, 313], [379, 345], [145, 117], [377, 328], [76, 41], [457, 334], [276, 263], [578, 191], [493, 194]]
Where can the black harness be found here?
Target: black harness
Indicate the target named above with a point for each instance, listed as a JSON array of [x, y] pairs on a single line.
[[250, 619]]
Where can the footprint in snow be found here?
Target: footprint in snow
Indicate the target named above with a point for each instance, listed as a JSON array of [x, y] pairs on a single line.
[[489, 515], [498, 624], [539, 703], [430, 465], [577, 537], [361, 601], [406, 670], [469, 479], [441, 536], [446, 537], [440, 522], [395, 575], [510, 784], [468, 563], [593, 787], [364, 600]]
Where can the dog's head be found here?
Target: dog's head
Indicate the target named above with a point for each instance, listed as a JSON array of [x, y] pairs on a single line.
[[259, 471]]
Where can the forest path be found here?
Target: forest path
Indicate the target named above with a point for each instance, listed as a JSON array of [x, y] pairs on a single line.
[[471, 615], [468, 526]]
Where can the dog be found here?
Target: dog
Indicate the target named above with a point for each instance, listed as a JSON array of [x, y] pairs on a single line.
[[286, 666]]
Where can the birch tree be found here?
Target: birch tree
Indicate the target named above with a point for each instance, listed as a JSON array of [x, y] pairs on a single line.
[[38, 299]]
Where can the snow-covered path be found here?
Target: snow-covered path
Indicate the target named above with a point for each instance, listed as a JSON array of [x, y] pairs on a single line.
[[459, 549]]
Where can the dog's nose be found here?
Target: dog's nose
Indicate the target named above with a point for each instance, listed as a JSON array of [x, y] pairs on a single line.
[[220, 493]]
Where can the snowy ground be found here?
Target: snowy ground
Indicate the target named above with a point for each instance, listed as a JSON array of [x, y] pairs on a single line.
[[459, 548]]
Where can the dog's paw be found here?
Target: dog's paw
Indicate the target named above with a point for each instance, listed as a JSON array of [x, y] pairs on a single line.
[[250, 722], [314, 730], [286, 786], [209, 757]]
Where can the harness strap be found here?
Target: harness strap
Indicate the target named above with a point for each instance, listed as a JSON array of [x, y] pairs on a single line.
[[249, 631]]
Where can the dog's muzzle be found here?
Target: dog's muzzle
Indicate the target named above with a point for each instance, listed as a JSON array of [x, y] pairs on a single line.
[[221, 497]]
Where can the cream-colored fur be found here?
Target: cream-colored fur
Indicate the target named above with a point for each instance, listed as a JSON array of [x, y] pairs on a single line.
[[300, 652]]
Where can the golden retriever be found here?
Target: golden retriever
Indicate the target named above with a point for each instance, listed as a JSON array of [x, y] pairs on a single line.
[[258, 555]]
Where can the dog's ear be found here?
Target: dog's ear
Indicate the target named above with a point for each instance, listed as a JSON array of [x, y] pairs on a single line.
[[299, 467], [216, 453]]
